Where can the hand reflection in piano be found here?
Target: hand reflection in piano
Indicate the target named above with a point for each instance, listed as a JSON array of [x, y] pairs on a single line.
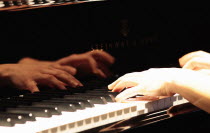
[[95, 62], [27, 77], [29, 73], [155, 83]]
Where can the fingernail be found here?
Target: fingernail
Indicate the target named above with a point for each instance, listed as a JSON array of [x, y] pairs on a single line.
[[63, 88], [77, 84], [81, 84]]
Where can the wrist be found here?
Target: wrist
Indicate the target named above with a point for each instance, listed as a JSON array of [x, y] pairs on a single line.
[[5, 74], [27, 60]]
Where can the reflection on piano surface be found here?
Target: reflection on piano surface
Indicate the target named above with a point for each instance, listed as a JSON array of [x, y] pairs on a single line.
[[123, 28]]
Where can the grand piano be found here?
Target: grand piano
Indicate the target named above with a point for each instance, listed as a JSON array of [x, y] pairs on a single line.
[[140, 35]]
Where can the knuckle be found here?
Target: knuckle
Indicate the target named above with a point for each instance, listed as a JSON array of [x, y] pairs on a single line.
[[200, 52], [49, 77], [74, 55]]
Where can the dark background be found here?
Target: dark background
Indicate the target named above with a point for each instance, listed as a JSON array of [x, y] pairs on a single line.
[[140, 36]]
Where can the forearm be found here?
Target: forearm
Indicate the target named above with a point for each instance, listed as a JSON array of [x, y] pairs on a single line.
[[194, 87]]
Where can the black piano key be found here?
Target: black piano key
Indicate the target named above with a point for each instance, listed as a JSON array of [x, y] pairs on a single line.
[[4, 106], [94, 99], [54, 92], [16, 118], [14, 102], [44, 95], [69, 90], [108, 97], [60, 107], [78, 105], [37, 112], [103, 92], [27, 99], [87, 103], [41, 97], [25, 116], [52, 110], [8, 3], [100, 90], [38, 1], [5, 121]]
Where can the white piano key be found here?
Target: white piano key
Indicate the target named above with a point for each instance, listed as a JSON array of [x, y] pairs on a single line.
[[1, 4], [168, 102], [155, 105], [161, 104]]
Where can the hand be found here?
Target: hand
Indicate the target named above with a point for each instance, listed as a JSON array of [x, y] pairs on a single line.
[[94, 62], [69, 69], [195, 60], [151, 83], [27, 77]]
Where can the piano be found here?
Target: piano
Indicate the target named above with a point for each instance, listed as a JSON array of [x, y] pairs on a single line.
[[76, 110], [129, 31]]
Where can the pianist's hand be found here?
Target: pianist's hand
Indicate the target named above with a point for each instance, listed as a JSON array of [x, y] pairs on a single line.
[[94, 62], [27, 60], [152, 83], [27, 77], [195, 60]]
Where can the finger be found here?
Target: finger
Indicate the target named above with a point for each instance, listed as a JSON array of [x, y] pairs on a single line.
[[104, 69], [89, 61], [31, 86], [69, 79], [92, 64], [51, 81], [102, 56], [100, 73], [197, 63], [112, 85], [69, 69], [129, 93], [124, 84], [63, 76], [184, 59]]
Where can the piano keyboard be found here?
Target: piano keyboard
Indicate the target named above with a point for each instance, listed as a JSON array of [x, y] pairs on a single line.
[[16, 5], [71, 111]]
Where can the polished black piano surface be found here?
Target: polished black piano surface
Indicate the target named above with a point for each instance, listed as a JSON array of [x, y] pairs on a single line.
[[138, 34]]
